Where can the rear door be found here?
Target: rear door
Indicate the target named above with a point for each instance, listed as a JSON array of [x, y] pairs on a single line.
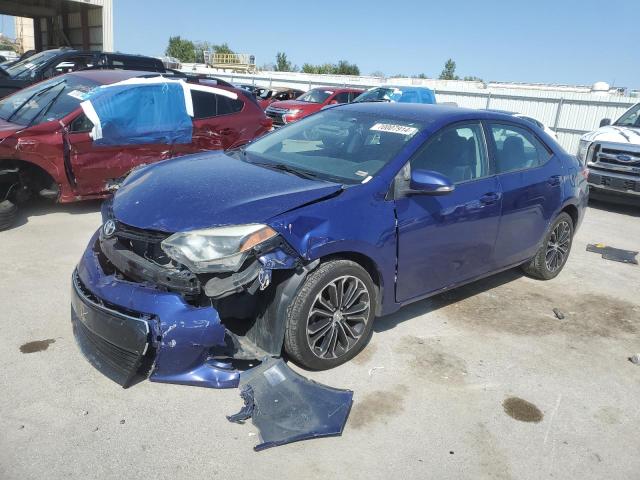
[[218, 123], [448, 239], [530, 177]]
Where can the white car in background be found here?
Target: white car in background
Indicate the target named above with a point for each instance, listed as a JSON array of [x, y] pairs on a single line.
[[612, 154], [529, 119]]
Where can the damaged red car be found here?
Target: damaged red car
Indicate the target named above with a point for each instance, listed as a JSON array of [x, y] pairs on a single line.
[[55, 144]]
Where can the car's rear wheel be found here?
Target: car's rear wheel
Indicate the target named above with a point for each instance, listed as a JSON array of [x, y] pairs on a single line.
[[331, 318], [554, 252], [8, 212]]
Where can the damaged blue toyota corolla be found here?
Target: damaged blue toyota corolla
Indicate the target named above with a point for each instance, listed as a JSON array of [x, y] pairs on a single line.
[[296, 242]]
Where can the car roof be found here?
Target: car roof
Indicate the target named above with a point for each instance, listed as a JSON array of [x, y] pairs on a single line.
[[106, 77], [437, 114], [404, 87], [340, 89]]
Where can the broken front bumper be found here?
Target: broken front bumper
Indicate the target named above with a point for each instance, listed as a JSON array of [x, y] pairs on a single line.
[[127, 330]]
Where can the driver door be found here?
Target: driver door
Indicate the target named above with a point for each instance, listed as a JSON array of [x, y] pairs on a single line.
[[94, 167], [448, 239]]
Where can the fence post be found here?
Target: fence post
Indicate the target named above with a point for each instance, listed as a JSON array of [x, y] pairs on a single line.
[[488, 101], [558, 110]]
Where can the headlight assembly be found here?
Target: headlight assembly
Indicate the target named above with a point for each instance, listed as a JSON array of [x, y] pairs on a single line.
[[583, 149], [216, 249]]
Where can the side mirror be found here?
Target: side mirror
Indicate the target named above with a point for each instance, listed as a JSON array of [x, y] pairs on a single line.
[[428, 182], [605, 121]]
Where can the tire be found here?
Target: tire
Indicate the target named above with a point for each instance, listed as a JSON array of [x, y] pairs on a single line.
[[551, 258], [346, 331], [8, 212]]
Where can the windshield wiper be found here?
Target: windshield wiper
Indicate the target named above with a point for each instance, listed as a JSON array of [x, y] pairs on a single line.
[[39, 92], [287, 168], [44, 110]]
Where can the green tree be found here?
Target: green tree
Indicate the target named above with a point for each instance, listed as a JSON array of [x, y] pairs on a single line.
[[183, 50], [223, 49], [472, 78], [342, 68], [282, 63], [449, 71], [346, 68]]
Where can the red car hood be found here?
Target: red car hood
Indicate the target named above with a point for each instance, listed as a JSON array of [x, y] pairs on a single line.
[[307, 107]]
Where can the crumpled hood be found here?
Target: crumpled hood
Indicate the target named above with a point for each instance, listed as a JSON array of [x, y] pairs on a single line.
[[614, 133], [210, 189]]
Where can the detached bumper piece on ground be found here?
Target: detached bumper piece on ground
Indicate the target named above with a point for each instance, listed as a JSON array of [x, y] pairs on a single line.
[[615, 254], [286, 407]]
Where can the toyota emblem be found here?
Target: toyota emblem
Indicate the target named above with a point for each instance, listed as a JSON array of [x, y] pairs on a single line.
[[109, 228]]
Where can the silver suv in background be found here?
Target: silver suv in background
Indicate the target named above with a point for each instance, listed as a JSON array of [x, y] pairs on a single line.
[[612, 154]]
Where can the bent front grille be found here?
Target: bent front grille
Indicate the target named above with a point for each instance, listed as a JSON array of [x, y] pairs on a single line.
[[114, 342]]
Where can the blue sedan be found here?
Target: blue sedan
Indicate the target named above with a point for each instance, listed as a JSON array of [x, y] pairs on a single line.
[[299, 240]]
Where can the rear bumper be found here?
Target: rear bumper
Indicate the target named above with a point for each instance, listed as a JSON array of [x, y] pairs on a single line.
[[127, 330]]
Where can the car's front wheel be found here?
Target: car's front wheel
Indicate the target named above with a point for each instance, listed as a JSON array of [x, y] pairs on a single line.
[[554, 252], [331, 318]]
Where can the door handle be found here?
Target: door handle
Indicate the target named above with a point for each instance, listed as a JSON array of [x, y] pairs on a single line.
[[489, 198], [554, 180]]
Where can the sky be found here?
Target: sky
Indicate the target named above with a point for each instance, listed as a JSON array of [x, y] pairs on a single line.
[[561, 41]]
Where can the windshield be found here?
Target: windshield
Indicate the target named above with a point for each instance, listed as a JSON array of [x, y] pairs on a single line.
[[317, 95], [26, 68], [380, 94], [631, 117], [334, 145], [45, 101]]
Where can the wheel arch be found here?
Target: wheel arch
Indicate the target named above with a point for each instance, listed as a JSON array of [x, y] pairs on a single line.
[[573, 212], [368, 264], [40, 172]]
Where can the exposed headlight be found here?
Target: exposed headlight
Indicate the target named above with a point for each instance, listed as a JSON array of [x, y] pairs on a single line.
[[583, 149], [216, 249], [294, 111]]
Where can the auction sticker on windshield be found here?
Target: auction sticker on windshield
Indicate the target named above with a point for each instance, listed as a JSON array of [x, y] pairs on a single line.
[[394, 128]]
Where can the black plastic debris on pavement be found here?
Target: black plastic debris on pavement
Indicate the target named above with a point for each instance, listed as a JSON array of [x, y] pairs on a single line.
[[287, 407], [615, 254], [558, 313]]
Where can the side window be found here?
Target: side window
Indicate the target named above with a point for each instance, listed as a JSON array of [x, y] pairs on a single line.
[[207, 105], [408, 96], [228, 105], [204, 104], [70, 64], [341, 97], [81, 124], [458, 152], [517, 148]]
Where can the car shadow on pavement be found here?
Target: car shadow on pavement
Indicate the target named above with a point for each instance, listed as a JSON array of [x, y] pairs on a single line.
[[37, 208], [623, 208], [442, 300]]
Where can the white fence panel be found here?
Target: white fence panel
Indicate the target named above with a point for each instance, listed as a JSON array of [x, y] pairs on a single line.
[[569, 113]]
